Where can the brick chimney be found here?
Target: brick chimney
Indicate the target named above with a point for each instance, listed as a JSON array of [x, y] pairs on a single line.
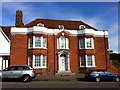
[[19, 18]]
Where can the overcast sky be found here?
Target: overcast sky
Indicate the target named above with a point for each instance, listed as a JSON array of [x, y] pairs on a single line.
[[101, 15]]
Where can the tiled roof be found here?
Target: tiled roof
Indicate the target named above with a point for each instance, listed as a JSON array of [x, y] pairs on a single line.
[[6, 30], [49, 23]]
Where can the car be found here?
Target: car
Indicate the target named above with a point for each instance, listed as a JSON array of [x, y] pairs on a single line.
[[101, 75], [22, 72]]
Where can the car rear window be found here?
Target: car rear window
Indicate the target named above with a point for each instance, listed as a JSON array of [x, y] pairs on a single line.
[[100, 72], [94, 72], [26, 68]]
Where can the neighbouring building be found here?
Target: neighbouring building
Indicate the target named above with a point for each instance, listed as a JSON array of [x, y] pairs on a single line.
[[55, 46]]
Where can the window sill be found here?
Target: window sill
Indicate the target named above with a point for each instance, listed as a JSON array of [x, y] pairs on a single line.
[[88, 66], [87, 48], [37, 48], [63, 48]]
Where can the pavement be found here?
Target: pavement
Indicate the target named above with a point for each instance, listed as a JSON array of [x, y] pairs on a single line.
[[59, 77]]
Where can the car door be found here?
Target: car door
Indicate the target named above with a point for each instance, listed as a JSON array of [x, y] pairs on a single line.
[[17, 72], [109, 76], [102, 75], [7, 73]]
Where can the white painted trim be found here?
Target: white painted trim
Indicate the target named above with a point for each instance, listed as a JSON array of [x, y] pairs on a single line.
[[44, 30], [4, 54]]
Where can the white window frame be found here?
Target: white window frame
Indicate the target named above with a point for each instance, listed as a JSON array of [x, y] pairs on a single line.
[[86, 61], [85, 39], [41, 63], [59, 44], [40, 25], [41, 37], [61, 26], [82, 27]]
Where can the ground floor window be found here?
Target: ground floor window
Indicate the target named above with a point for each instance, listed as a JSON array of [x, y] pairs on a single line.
[[37, 61], [87, 61]]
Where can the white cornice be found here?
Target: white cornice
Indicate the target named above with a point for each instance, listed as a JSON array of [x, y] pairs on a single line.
[[44, 30]]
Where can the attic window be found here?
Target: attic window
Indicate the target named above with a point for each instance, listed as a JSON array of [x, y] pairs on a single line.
[[40, 25], [61, 27], [82, 27]]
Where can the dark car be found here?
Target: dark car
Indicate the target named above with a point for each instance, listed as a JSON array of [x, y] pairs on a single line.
[[101, 75], [25, 73]]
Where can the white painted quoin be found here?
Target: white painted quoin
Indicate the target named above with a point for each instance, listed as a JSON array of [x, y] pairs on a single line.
[[4, 50]]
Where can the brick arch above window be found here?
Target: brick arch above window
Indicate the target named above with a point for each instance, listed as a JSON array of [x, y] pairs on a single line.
[[66, 34]]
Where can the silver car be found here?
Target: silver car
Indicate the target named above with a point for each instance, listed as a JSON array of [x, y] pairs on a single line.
[[25, 73]]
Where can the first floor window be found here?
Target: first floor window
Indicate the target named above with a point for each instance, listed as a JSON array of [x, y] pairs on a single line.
[[86, 43], [37, 42], [87, 61], [62, 42], [37, 61]]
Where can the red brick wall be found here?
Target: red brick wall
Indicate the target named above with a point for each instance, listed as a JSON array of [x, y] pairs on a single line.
[[51, 57], [18, 50], [74, 54], [101, 56]]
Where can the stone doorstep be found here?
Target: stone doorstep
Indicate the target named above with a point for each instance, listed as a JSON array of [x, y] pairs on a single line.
[[65, 73]]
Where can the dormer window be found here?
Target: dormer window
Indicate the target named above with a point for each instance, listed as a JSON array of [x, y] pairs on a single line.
[[40, 25], [61, 27], [82, 27]]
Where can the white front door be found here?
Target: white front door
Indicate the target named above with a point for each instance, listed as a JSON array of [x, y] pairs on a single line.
[[62, 64]]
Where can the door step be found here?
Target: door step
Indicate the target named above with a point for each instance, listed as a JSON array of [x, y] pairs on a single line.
[[65, 73]]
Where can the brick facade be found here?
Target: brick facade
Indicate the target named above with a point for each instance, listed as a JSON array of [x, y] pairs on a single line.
[[20, 51]]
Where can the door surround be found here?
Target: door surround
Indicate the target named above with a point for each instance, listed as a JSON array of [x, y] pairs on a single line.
[[63, 61]]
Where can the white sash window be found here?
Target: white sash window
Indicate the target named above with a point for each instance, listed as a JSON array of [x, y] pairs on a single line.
[[62, 42], [86, 43], [37, 42], [37, 61], [87, 61]]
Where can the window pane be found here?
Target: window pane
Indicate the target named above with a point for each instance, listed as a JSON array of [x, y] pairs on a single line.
[[83, 61], [44, 61], [31, 42], [89, 42], [63, 41], [82, 43], [37, 41], [89, 60], [67, 43], [44, 42], [37, 61], [30, 61]]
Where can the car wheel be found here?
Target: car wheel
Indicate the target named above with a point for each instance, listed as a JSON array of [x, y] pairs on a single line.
[[97, 79], [26, 78], [117, 79]]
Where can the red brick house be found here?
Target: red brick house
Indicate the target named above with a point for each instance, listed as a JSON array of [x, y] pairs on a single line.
[[58, 46]]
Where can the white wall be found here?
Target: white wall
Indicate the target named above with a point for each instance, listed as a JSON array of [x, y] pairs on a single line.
[[4, 45]]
